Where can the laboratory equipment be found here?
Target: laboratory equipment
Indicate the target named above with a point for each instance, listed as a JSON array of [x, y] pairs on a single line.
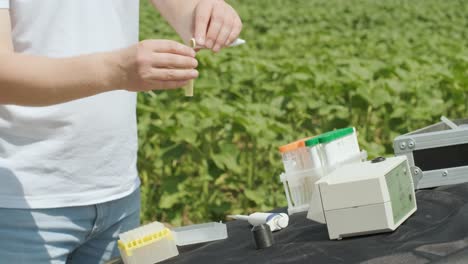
[[307, 160], [302, 166], [189, 87], [201, 233], [298, 187], [337, 147], [193, 44], [327, 150], [294, 155], [147, 244], [236, 43], [437, 154], [262, 236], [364, 198], [274, 220], [313, 159]]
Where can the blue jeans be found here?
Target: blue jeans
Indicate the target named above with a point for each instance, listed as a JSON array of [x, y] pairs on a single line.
[[71, 235]]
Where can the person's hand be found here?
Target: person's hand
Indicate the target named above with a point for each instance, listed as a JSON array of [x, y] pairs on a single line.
[[216, 24], [157, 65]]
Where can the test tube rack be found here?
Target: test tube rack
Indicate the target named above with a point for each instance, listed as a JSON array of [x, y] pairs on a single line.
[[307, 160]]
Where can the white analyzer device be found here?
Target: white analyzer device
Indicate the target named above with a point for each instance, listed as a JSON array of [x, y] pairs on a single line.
[[364, 198]]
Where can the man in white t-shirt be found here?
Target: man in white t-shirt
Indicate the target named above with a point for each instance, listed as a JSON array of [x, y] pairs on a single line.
[[69, 71]]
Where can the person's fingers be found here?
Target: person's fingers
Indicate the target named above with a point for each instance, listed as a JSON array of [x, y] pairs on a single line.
[[171, 75], [168, 46], [224, 33], [171, 61], [236, 30], [216, 23], [202, 18]]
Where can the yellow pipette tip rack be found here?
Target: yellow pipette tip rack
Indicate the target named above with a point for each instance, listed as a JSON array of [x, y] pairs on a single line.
[[148, 244], [144, 241]]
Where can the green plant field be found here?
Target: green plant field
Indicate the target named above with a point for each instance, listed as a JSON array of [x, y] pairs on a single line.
[[385, 67]]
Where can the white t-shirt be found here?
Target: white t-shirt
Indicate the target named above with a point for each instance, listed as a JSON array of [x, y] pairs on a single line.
[[78, 153]]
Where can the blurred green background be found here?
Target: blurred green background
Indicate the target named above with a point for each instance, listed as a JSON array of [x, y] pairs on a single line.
[[385, 67]]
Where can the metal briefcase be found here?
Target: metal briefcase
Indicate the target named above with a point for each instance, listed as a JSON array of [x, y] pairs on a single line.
[[437, 154]]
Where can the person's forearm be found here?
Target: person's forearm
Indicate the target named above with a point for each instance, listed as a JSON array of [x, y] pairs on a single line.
[[179, 14], [39, 81]]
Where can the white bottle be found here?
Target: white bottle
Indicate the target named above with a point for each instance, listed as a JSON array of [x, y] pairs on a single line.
[[274, 220]]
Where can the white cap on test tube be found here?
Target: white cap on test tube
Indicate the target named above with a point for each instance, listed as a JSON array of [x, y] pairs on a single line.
[[283, 221]]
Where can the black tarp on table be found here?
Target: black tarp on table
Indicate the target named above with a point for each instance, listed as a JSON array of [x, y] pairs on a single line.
[[436, 233]]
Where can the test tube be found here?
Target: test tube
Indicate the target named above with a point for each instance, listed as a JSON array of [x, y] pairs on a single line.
[[293, 155], [189, 87]]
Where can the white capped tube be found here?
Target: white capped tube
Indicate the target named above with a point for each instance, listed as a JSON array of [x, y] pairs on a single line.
[[274, 220], [236, 43]]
